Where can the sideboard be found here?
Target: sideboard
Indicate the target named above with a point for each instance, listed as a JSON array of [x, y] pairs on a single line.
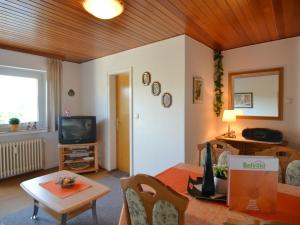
[[249, 147]]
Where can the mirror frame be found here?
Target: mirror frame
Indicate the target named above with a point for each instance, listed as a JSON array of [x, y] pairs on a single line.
[[252, 73]]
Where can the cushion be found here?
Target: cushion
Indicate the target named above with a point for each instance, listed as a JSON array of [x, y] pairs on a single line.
[[136, 208], [164, 213], [224, 158], [293, 173], [203, 156]]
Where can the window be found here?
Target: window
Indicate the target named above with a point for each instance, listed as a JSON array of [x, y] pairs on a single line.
[[22, 95]]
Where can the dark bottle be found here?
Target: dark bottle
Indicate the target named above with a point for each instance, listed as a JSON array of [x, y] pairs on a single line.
[[208, 185]]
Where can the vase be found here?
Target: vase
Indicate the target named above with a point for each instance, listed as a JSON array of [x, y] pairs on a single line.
[[208, 186], [221, 185], [13, 127]]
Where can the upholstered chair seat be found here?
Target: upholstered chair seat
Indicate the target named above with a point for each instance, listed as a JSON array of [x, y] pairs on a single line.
[[136, 207], [285, 155], [292, 176], [217, 147], [148, 201], [164, 212], [224, 158]]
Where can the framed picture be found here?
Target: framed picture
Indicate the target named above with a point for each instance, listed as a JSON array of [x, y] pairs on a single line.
[[197, 90], [166, 100], [146, 78], [243, 100], [156, 88]]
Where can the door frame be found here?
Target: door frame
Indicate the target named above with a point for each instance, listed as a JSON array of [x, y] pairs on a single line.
[[111, 112]]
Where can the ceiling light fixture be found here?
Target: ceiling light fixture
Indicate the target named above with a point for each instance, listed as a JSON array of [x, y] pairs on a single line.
[[104, 9]]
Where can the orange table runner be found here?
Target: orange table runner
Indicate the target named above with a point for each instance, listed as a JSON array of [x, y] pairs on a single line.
[[288, 206], [60, 192], [177, 178]]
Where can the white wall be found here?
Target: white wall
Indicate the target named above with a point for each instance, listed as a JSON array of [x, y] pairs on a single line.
[[163, 137], [71, 74], [284, 53], [200, 119], [158, 138], [71, 80]]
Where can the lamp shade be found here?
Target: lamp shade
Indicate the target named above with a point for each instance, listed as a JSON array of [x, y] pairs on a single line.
[[229, 116], [104, 9]]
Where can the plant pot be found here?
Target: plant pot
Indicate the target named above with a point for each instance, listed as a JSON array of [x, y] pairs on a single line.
[[14, 127], [221, 185]]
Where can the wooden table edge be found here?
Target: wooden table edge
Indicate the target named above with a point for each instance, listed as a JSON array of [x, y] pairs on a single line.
[[72, 208]]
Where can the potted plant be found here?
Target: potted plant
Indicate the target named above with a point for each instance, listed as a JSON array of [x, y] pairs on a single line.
[[14, 124], [221, 174]]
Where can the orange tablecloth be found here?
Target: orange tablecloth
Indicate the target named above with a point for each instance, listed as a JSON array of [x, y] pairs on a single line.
[[178, 183], [210, 213], [288, 205], [55, 189]]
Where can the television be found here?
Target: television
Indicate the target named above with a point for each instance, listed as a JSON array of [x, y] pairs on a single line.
[[77, 129]]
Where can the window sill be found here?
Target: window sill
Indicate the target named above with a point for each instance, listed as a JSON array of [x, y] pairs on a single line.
[[21, 132]]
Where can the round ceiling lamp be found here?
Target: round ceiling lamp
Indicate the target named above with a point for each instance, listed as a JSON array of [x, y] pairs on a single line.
[[104, 9]]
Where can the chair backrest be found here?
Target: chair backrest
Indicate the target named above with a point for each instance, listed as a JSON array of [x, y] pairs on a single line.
[[217, 147], [224, 158], [148, 201], [292, 176], [284, 154]]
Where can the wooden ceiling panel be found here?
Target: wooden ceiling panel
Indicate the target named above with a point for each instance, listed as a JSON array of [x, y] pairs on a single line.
[[63, 29]]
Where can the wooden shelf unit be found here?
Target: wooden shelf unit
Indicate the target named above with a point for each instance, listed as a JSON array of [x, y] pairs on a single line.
[[65, 150]]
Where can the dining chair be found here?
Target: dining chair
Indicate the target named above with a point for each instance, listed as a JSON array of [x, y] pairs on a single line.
[[284, 154], [218, 147], [148, 201], [292, 176]]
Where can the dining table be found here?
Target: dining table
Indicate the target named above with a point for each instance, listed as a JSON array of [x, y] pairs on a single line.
[[206, 212]]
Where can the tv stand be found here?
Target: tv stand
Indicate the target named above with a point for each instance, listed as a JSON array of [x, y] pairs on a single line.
[[78, 158]]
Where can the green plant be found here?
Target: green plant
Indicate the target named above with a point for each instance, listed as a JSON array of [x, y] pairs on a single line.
[[14, 121], [218, 80], [221, 171]]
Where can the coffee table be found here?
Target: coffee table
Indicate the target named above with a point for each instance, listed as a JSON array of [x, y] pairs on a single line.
[[64, 209]]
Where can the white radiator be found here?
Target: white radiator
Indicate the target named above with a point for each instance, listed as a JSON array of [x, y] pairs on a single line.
[[21, 157]]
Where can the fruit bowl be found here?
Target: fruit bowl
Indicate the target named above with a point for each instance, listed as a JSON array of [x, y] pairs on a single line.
[[66, 182]]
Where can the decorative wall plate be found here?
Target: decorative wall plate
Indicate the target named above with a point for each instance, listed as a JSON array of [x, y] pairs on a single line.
[[156, 88], [71, 92], [146, 78], [166, 100]]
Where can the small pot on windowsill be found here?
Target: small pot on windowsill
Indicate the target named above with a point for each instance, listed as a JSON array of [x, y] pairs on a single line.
[[14, 124], [221, 185], [13, 127]]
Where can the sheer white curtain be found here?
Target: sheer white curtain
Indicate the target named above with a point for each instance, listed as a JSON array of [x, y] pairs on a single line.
[[54, 73]]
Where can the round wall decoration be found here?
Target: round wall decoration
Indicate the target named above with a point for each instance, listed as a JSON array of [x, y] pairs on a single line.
[[71, 92], [166, 100], [146, 78], [156, 88]]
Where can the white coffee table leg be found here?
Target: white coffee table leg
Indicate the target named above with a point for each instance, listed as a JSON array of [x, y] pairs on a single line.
[[63, 220], [35, 210], [94, 212]]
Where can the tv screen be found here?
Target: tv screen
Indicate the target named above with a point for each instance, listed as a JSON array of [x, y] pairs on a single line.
[[77, 129]]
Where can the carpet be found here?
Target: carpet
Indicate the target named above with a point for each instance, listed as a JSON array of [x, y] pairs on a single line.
[[108, 208]]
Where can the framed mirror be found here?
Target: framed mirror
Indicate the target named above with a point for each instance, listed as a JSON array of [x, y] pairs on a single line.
[[257, 94]]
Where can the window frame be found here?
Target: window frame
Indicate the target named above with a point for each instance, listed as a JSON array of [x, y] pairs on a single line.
[[41, 76]]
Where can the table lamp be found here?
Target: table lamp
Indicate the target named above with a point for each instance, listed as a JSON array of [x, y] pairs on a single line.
[[229, 116]]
